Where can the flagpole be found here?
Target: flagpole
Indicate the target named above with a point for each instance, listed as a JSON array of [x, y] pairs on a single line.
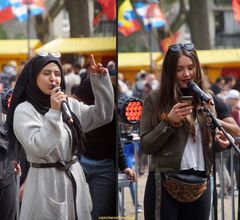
[[28, 3], [150, 46]]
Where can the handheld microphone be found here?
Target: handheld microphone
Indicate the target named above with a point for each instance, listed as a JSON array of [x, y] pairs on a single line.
[[202, 95], [64, 108]]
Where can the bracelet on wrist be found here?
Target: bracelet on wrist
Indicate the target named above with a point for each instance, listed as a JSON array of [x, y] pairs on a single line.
[[164, 117]]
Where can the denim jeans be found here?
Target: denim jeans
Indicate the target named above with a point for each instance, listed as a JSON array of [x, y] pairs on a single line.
[[102, 179], [8, 202]]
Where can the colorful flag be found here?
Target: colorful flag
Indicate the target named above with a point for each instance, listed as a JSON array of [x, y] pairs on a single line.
[[151, 15], [236, 9], [108, 9], [10, 9], [127, 20]]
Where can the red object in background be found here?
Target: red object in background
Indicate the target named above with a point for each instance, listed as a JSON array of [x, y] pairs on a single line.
[[231, 71], [236, 9], [168, 41], [108, 8], [106, 59], [27, 1], [6, 14]]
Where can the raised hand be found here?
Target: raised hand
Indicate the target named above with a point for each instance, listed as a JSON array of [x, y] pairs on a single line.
[[96, 68]]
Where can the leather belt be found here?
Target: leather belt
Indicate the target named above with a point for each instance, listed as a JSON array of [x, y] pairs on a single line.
[[64, 166], [61, 164]]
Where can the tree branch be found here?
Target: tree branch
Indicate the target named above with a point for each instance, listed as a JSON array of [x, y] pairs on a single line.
[[181, 17], [55, 9]]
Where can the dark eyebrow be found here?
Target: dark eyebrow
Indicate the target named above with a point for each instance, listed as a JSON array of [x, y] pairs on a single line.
[[48, 70]]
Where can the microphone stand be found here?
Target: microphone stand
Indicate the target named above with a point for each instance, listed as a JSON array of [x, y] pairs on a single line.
[[215, 124]]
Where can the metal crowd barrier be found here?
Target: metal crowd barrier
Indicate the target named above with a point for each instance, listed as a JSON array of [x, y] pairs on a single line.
[[223, 203], [122, 182]]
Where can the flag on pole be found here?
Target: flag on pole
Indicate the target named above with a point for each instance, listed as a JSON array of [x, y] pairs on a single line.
[[108, 9], [151, 14], [127, 20], [236, 9], [10, 9]]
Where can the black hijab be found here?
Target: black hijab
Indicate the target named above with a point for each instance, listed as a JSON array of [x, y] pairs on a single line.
[[26, 89]]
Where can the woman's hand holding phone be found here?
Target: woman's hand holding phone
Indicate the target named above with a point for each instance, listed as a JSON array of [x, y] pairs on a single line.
[[181, 109]]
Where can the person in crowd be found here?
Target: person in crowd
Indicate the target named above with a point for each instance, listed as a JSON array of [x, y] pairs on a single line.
[[123, 90], [8, 171], [77, 68], [233, 99], [225, 118], [55, 187], [7, 76], [71, 78], [180, 143], [230, 82], [218, 85], [99, 159], [139, 85], [112, 68], [153, 81], [129, 155]]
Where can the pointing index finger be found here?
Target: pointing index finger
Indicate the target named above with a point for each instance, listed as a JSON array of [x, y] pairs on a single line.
[[92, 61]]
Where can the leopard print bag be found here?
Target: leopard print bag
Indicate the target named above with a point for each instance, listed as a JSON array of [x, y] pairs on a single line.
[[184, 188]]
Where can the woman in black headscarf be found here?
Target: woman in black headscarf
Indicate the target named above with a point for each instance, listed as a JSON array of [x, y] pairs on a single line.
[[55, 186]]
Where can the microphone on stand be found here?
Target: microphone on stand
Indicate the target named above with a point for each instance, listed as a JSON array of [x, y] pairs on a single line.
[[202, 95], [65, 109]]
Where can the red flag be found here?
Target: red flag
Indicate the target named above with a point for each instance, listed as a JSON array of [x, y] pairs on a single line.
[[6, 14], [108, 8], [236, 9]]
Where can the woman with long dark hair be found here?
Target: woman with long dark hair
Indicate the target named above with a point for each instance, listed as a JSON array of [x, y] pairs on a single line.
[[174, 131]]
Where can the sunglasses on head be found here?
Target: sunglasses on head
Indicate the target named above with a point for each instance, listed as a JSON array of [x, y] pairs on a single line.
[[44, 53], [177, 47]]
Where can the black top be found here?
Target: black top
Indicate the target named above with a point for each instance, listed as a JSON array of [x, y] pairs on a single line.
[[101, 142], [6, 173], [6, 166], [223, 110], [215, 89]]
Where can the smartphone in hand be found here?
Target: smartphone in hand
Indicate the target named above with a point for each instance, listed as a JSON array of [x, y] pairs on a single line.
[[187, 99]]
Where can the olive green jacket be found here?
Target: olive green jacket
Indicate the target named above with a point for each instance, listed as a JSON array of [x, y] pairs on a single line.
[[166, 144]]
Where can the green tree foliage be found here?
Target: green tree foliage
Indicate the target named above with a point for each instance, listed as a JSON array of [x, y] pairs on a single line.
[[3, 33]]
